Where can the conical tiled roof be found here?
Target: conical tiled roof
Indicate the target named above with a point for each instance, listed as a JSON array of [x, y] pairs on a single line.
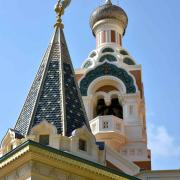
[[54, 95]]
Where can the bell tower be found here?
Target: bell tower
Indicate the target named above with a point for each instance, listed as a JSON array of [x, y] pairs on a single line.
[[111, 85]]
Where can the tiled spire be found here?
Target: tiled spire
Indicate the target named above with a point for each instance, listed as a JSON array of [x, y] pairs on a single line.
[[54, 95]]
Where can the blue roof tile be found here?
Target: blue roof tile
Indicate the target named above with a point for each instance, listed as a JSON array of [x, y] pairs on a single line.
[[54, 95]]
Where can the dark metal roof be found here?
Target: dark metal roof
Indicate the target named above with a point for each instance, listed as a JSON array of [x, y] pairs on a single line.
[[54, 95], [109, 11]]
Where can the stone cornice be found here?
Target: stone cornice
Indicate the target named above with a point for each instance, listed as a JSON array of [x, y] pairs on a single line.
[[13, 155], [124, 161], [31, 151]]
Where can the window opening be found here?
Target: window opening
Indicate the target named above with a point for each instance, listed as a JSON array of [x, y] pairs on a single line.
[[105, 125], [113, 36], [82, 145], [44, 140], [114, 109]]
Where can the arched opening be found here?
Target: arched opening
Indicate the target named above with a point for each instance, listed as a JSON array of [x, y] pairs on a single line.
[[114, 108], [106, 84], [107, 88], [128, 61], [123, 52]]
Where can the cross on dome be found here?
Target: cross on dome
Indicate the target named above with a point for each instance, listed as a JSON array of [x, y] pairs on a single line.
[[59, 9], [108, 2]]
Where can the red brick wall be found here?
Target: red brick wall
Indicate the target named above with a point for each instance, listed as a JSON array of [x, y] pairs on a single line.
[[137, 75], [112, 166], [144, 165]]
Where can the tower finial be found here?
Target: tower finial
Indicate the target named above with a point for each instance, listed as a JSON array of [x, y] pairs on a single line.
[[59, 9], [108, 2]]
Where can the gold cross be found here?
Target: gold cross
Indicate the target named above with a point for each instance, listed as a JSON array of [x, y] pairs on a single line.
[[59, 9]]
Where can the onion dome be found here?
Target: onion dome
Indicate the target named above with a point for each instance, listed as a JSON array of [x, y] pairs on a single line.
[[109, 11]]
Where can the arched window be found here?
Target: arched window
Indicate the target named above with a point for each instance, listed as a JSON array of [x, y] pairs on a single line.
[[114, 108]]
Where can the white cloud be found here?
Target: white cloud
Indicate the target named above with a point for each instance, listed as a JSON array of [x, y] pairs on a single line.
[[161, 142]]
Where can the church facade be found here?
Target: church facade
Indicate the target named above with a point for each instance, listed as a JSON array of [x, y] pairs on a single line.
[[86, 124]]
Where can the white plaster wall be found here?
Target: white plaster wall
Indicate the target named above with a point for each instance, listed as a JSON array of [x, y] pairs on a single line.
[[136, 151]]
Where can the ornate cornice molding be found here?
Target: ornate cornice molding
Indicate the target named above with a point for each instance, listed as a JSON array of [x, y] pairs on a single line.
[[58, 159], [13, 157]]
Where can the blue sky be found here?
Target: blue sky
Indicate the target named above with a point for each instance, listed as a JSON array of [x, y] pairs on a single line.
[[152, 38]]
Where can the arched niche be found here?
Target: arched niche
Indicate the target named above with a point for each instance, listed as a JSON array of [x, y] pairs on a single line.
[[83, 134], [106, 104], [114, 108], [100, 85], [107, 88]]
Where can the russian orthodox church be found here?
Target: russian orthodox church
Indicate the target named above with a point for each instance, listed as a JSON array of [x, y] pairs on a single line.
[[87, 124]]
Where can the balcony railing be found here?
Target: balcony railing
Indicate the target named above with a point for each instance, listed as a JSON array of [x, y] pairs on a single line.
[[105, 124]]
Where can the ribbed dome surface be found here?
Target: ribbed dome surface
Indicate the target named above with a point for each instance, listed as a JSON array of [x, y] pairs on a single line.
[[109, 11]]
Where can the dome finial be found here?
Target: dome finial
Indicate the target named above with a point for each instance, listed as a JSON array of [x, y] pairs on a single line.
[[59, 9], [108, 2]]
